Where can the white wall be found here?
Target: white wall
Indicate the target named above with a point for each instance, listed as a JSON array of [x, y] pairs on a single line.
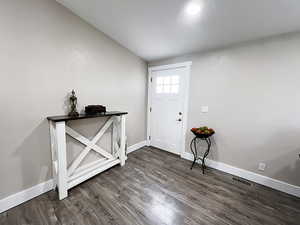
[[253, 94], [45, 52]]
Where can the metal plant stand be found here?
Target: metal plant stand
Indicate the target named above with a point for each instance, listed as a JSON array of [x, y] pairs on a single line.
[[193, 147]]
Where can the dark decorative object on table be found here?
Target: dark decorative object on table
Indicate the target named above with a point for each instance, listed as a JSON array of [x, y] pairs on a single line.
[[73, 105], [95, 109], [204, 134]]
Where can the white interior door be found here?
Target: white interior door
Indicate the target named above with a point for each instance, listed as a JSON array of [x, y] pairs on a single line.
[[167, 108]]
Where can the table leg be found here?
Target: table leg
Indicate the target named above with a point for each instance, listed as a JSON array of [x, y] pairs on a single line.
[[53, 153], [122, 141], [61, 160], [194, 151], [114, 141], [193, 147], [208, 141]]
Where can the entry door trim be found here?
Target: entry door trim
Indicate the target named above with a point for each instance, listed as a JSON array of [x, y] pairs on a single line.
[[151, 69]]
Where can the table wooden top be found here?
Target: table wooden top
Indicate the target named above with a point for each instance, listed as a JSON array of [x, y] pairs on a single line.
[[84, 116]]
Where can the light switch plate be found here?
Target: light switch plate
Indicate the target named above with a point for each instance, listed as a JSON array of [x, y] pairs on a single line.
[[262, 166], [204, 109]]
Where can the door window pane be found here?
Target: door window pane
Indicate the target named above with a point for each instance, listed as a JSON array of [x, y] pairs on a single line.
[[175, 79], [167, 84], [167, 88], [160, 80], [167, 80], [159, 89], [174, 89]]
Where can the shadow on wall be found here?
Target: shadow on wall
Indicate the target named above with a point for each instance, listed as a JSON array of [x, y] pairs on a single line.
[[280, 152], [34, 156], [66, 104], [286, 165], [289, 172]]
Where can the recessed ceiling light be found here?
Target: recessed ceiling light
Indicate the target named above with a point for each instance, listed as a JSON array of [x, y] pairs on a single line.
[[193, 9]]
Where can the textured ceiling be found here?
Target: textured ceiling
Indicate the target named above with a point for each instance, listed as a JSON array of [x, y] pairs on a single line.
[[157, 29]]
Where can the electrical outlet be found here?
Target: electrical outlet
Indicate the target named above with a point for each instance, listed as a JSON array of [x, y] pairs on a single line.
[[262, 166]]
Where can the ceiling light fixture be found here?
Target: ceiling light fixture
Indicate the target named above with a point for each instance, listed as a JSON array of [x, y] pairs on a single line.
[[193, 9]]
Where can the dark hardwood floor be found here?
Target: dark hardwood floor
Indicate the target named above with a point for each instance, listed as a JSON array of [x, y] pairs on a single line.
[[156, 187]]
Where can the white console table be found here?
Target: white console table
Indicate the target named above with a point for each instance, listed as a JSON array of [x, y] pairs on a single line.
[[66, 177]]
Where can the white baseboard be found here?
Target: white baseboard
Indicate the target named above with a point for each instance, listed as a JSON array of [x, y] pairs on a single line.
[[136, 146], [257, 178], [24, 196]]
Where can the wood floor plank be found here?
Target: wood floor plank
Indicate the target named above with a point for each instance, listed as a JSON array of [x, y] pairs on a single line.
[[158, 188]]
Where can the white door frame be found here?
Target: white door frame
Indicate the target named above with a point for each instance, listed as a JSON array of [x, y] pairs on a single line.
[[188, 66]]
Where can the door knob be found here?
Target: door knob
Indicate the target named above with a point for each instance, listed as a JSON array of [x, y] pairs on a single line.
[[180, 113], [179, 120]]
